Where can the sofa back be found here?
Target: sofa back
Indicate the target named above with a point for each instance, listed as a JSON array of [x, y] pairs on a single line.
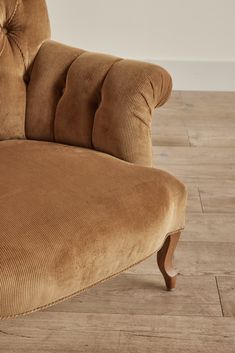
[[24, 25]]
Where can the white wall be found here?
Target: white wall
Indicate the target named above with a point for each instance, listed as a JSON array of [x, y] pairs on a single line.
[[194, 39]]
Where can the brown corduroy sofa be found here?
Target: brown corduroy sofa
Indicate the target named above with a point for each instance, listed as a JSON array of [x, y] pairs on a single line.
[[80, 201]]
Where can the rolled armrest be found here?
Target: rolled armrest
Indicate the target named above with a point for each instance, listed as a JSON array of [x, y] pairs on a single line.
[[122, 125], [94, 100]]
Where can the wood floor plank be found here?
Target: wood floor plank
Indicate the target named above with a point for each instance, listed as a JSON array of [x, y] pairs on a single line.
[[198, 109], [160, 139], [200, 258], [57, 333], [184, 335], [169, 136], [172, 129], [214, 137], [96, 333], [194, 204], [215, 227], [205, 156], [197, 258], [146, 294], [196, 173], [226, 286], [218, 196]]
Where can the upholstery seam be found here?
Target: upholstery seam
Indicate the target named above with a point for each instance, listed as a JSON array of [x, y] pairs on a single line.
[[109, 69], [165, 97], [151, 84], [91, 285], [21, 51], [29, 72], [140, 119], [101, 89], [14, 12], [17, 3], [3, 47], [30, 68], [145, 99], [53, 122]]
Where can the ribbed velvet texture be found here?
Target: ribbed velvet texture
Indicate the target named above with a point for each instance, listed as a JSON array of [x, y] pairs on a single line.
[[75, 217], [95, 101], [79, 199]]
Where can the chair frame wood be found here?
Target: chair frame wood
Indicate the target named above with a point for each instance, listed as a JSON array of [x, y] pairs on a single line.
[[165, 258]]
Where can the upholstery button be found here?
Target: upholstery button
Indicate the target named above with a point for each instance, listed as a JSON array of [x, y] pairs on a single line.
[[4, 30]]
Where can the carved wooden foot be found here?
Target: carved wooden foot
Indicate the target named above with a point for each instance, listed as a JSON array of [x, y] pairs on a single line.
[[165, 260]]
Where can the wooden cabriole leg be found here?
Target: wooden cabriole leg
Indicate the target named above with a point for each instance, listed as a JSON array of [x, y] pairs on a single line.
[[165, 260]]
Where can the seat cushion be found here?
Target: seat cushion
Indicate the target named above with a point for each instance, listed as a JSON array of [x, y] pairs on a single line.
[[71, 217]]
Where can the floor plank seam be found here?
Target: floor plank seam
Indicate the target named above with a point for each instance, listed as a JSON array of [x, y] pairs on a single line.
[[220, 299], [145, 315], [62, 313], [189, 142], [200, 198]]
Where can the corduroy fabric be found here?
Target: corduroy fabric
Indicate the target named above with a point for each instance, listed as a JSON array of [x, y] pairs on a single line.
[[95, 100], [24, 25], [72, 217]]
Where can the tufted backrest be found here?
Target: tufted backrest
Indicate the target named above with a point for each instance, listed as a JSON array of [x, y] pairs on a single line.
[[24, 25]]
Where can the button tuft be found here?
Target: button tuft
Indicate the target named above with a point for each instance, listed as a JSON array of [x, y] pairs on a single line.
[[4, 30]]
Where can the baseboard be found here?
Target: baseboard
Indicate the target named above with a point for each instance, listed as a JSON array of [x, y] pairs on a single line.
[[200, 75]]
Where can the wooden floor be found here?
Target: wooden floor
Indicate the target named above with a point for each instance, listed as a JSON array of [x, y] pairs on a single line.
[[194, 138]]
